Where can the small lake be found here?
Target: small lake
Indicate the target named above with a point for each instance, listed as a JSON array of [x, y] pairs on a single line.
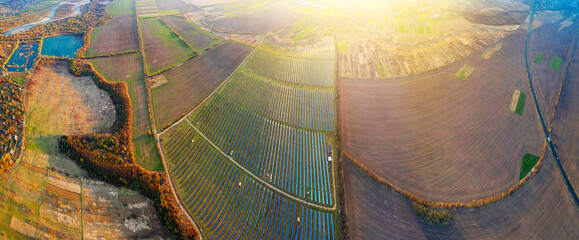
[[23, 58], [61, 46]]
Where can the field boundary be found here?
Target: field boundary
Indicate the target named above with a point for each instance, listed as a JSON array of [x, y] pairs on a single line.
[[112, 54], [547, 132], [476, 203], [208, 96], [179, 35]]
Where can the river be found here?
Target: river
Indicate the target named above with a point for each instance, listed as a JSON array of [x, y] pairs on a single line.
[[23, 28]]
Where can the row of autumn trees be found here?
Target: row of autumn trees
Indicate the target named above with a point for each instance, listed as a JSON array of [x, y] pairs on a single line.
[[110, 156]]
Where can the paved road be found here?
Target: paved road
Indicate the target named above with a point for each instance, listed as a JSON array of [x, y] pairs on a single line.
[[545, 130]]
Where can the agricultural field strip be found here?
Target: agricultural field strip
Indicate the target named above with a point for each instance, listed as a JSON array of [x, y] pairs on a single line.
[[179, 36], [261, 181], [214, 195], [546, 132], [208, 96], [260, 143]]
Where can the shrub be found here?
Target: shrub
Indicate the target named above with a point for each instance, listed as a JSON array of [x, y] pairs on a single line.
[[438, 217]]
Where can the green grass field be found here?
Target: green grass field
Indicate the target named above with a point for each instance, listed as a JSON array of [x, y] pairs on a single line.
[[121, 7], [464, 72], [556, 63], [129, 69], [529, 161], [539, 58], [521, 104], [342, 48], [18, 80]]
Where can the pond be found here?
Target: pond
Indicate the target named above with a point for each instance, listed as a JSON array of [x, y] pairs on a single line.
[[61, 46], [23, 58]]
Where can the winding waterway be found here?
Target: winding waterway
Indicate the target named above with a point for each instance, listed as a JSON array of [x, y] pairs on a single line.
[[22, 28]]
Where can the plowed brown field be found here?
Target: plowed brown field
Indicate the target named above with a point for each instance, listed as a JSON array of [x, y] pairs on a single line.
[[439, 137]]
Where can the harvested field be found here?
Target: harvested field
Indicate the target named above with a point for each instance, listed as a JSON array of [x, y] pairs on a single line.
[[362, 56], [540, 209], [129, 69], [62, 104], [259, 20], [465, 71], [441, 138], [489, 52], [107, 214], [163, 48], [496, 17], [119, 34], [62, 203], [197, 38], [191, 82], [168, 5], [547, 79], [22, 227], [565, 134]]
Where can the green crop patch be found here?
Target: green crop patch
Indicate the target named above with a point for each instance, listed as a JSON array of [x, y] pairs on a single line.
[[521, 104], [517, 102], [379, 66], [539, 58], [529, 161], [342, 48], [556, 63], [18, 80], [464, 72]]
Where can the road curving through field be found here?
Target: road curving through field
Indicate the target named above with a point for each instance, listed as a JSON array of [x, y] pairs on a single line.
[[568, 182]]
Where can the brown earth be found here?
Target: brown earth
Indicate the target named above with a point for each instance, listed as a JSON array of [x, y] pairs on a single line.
[[197, 38], [162, 52], [363, 55], [64, 202], [565, 134], [259, 21], [191, 82], [439, 137], [62, 104], [165, 5], [540, 209], [129, 69], [118, 35]]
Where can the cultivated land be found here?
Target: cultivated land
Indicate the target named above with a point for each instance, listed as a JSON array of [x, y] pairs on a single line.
[[439, 137], [363, 56], [551, 43], [173, 5], [87, 108], [250, 17], [191, 82], [163, 48], [540, 209], [192, 33], [565, 129], [47, 195], [276, 169], [119, 34], [129, 69]]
